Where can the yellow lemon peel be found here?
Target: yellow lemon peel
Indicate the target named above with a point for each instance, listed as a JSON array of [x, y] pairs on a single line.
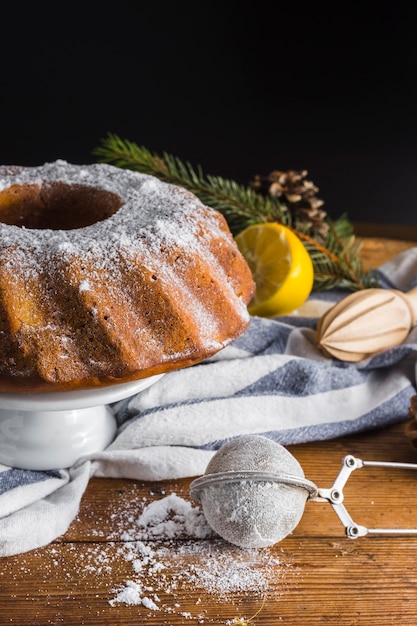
[[281, 266]]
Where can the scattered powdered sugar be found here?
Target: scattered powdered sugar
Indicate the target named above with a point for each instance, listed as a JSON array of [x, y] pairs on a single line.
[[131, 593], [84, 285], [169, 518], [159, 556], [191, 555]]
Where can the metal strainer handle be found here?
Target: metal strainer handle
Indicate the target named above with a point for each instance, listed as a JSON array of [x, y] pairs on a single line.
[[335, 497]]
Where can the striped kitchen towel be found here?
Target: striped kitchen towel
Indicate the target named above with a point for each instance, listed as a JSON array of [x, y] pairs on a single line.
[[272, 381]]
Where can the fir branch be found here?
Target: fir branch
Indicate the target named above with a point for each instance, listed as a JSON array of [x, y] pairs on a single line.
[[241, 206], [335, 257]]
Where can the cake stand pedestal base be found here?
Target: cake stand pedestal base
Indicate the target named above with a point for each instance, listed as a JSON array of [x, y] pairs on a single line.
[[53, 430]]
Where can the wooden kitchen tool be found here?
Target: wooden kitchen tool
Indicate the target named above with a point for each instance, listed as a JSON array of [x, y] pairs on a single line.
[[367, 322]]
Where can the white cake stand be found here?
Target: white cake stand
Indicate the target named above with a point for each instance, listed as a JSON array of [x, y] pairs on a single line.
[[53, 430]]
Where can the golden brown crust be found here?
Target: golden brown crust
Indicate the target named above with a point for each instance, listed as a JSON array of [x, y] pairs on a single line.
[[109, 276]]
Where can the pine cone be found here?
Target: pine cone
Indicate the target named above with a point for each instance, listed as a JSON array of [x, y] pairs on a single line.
[[411, 426], [298, 195]]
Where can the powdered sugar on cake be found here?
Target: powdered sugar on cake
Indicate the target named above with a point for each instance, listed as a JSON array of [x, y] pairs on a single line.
[[141, 227]]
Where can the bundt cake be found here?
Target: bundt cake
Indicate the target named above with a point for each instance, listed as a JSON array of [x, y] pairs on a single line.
[[108, 276]]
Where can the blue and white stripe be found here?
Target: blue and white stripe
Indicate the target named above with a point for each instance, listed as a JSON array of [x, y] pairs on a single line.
[[272, 381]]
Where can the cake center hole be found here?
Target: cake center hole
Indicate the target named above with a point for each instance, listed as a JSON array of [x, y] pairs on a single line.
[[57, 206]]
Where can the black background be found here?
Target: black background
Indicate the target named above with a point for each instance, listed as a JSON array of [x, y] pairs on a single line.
[[237, 91]]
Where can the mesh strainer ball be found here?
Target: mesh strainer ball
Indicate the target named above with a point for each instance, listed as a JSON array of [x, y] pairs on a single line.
[[253, 492]]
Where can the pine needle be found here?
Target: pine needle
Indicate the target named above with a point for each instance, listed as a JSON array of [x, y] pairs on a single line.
[[335, 256]]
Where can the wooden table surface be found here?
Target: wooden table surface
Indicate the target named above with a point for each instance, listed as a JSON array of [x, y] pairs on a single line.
[[316, 575]]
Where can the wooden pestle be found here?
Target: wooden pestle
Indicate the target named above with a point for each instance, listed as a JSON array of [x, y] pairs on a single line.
[[367, 322]]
